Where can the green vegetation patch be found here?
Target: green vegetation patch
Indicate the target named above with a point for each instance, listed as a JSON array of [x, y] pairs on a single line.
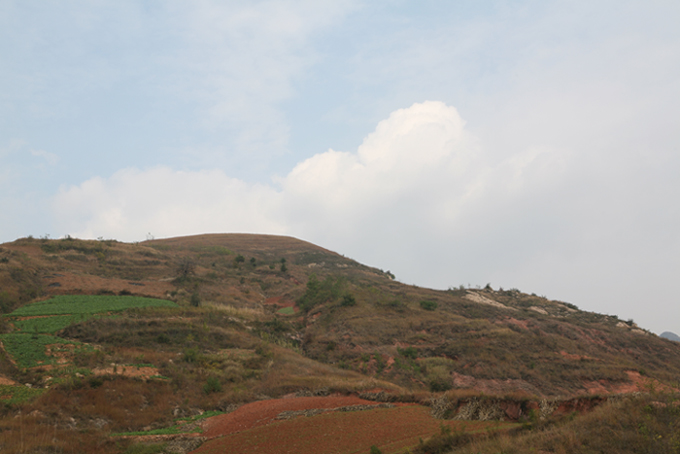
[[184, 426], [11, 394], [48, 325], [319, 292], [88, 304], [28, 350], [286, 311]]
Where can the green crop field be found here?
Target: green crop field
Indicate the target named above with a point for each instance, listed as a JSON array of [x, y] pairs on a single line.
[[28, 350], [27, 344], [49, 324], [87, 304]]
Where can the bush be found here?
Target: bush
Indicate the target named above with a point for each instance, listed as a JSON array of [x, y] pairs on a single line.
[[428, 305], [408, 352], [191, 355], [212, 385], [349, 300], [319, 292], [375, 450], [185, 268]]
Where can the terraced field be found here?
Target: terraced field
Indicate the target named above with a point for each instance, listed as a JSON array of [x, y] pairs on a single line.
[[392, 430], [32, 343]]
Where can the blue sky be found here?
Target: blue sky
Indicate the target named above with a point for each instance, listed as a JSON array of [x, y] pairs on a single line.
[[527, 144]]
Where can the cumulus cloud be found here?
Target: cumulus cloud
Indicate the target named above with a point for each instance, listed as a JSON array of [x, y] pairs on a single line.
[[422, 197], [416, 159], [419, 181]]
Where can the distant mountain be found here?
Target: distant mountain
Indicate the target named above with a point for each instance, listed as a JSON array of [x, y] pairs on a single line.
[[670, 336]]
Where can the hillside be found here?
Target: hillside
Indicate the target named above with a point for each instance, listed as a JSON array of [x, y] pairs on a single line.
[[223, 320]]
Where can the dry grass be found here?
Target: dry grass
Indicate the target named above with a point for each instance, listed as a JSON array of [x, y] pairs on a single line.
[[648, 423], [386, 341], [243, 313]]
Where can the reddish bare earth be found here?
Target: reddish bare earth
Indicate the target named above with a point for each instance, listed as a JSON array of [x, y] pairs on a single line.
[[252, 428], [637, 383], [6, 381], [263, 412]]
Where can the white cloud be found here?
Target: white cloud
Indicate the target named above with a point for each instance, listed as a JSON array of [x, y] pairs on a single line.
[[166, 203], [419, 179], [50, 158], [421, 196], [418, 157]]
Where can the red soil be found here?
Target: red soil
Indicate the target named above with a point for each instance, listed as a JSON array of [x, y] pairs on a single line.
[[637, 383], [391, 429], [263, 412], [6, 381]]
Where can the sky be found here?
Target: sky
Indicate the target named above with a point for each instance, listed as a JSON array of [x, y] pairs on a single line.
[[524, 144]]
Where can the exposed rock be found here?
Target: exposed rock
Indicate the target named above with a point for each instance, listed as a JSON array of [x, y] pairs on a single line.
[[538, 309], [477, 298]]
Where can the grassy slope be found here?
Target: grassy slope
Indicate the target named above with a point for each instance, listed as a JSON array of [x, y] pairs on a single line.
[[539, 345], [385, 340]]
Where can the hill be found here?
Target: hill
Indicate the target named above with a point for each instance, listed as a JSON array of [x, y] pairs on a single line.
[[670, 336], [212, 322]]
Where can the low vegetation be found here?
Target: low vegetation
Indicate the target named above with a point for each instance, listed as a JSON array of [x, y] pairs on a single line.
[[87, 304], [144, 339]]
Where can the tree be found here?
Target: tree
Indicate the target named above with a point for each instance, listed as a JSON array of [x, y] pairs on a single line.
[[186, 268]]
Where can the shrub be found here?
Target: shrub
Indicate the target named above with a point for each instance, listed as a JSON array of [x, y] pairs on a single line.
[[191, 355], [95, 382], [428, 305], [195, 299], [185, 268], [212, 385], [349, 300], [408, 352], [375, 450], [319, 292]]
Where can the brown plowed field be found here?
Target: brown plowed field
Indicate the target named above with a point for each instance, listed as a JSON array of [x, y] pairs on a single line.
[[263, 412], [252, 428]]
